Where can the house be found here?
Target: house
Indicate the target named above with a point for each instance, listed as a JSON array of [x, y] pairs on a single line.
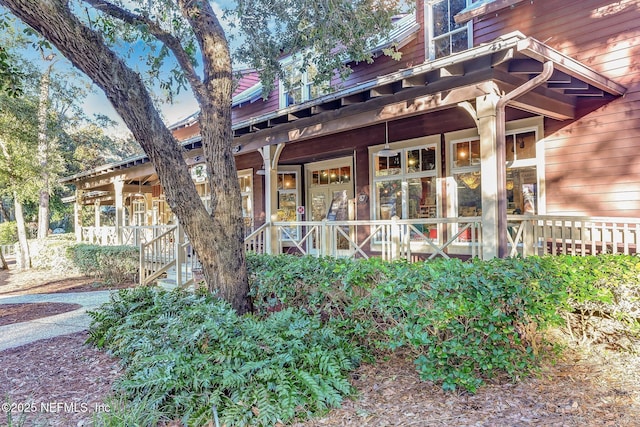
[[505, 123]]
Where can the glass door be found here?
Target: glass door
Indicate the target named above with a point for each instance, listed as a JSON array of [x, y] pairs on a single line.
[[329, 191]]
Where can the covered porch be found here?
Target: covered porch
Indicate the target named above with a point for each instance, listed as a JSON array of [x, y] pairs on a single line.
[[167, 249], [446, 158]]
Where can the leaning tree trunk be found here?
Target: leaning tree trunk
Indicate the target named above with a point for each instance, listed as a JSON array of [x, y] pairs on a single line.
[[23, 258], [216, 238]]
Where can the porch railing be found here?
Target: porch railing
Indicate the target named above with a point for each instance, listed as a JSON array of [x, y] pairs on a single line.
[[390, 239], [166, 249], [581, 236], [8, 250], [129, 235]]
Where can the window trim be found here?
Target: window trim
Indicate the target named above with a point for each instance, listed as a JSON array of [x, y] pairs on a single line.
[[430, 54], [403, 146]]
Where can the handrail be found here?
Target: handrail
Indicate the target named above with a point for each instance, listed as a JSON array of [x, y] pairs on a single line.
[[409, 239]]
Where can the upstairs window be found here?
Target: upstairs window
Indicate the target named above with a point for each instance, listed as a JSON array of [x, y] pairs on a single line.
[[444, 36], [299, 86]]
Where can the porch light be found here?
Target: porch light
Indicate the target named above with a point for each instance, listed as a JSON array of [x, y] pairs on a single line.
[[386, 151], [261, 171]]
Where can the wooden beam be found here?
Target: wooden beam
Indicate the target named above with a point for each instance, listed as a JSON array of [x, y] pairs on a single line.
[[327, 106], [590, 91], [353, 99], [385, 90], [133, 188], [364, 115], [501, 57], [566, 64], [453, 70], [487, 8], [573, 84], [414, 81]]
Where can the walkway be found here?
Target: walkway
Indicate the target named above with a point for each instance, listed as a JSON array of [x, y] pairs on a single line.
[[18, 334]]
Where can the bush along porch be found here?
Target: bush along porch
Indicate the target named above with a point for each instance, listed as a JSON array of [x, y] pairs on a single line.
[[190, 357]]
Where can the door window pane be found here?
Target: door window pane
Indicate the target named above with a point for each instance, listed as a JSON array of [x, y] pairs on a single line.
[[469, 193], [390, 198], [421, 198], [522, 191]]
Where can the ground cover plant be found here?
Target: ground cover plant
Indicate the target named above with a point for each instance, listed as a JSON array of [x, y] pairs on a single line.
[[190, 357]]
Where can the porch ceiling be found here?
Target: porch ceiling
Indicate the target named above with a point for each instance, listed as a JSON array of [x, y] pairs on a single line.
[[502, 65]]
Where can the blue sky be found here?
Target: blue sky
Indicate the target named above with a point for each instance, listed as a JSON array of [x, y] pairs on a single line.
[[183, 105], [97, 103]]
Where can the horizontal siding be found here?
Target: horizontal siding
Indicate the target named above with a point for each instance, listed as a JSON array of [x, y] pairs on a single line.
[[593, 163], [599, 34]]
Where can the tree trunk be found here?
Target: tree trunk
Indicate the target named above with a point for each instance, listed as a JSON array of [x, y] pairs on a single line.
[[23, 258], [5, 215], [43, 154], [3, 262], [216, 238]]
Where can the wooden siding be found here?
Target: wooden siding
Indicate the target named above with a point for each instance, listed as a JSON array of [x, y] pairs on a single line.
[[592, 163]]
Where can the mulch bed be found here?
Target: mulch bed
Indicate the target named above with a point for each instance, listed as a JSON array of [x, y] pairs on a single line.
[[15, 313]]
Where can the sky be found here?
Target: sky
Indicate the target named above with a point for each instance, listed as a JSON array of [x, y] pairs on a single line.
[[96, 103]]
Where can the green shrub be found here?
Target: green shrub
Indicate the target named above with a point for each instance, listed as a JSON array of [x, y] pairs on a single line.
[[462, 321], [185, 354], [114, 264], [603, 287], [8, 233]]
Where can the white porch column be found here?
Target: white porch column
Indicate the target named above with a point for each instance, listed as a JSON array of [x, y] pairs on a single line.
[[118, 186], [96, 213], [77, 215], [487, 126], [270, 156]]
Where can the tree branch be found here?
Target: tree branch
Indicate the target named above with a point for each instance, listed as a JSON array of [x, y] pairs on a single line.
[[169, 40]]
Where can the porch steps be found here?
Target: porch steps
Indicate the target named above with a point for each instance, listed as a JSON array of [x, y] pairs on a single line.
[[170, 281]]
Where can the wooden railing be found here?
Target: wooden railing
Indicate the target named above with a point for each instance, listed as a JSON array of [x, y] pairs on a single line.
[[8, 250], [580, 236], [165, 248], [129, 235], [389, 239]]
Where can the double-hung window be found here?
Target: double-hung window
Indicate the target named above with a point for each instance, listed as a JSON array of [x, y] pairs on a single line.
[[444, 36], [298, 86]]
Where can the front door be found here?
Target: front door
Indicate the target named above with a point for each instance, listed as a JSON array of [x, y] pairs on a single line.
[[329, 190]]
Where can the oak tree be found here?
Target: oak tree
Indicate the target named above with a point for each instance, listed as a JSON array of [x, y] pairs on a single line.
[[326, 33]]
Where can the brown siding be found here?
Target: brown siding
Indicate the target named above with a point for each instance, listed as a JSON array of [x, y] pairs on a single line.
[[592, 163]]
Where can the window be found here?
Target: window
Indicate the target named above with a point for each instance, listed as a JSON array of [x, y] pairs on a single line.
[[288, 202], [465, 168], [405, 184], [522, 173], [522, 177], [298, 86], [444, 36], [139, 210], [245, 180]]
